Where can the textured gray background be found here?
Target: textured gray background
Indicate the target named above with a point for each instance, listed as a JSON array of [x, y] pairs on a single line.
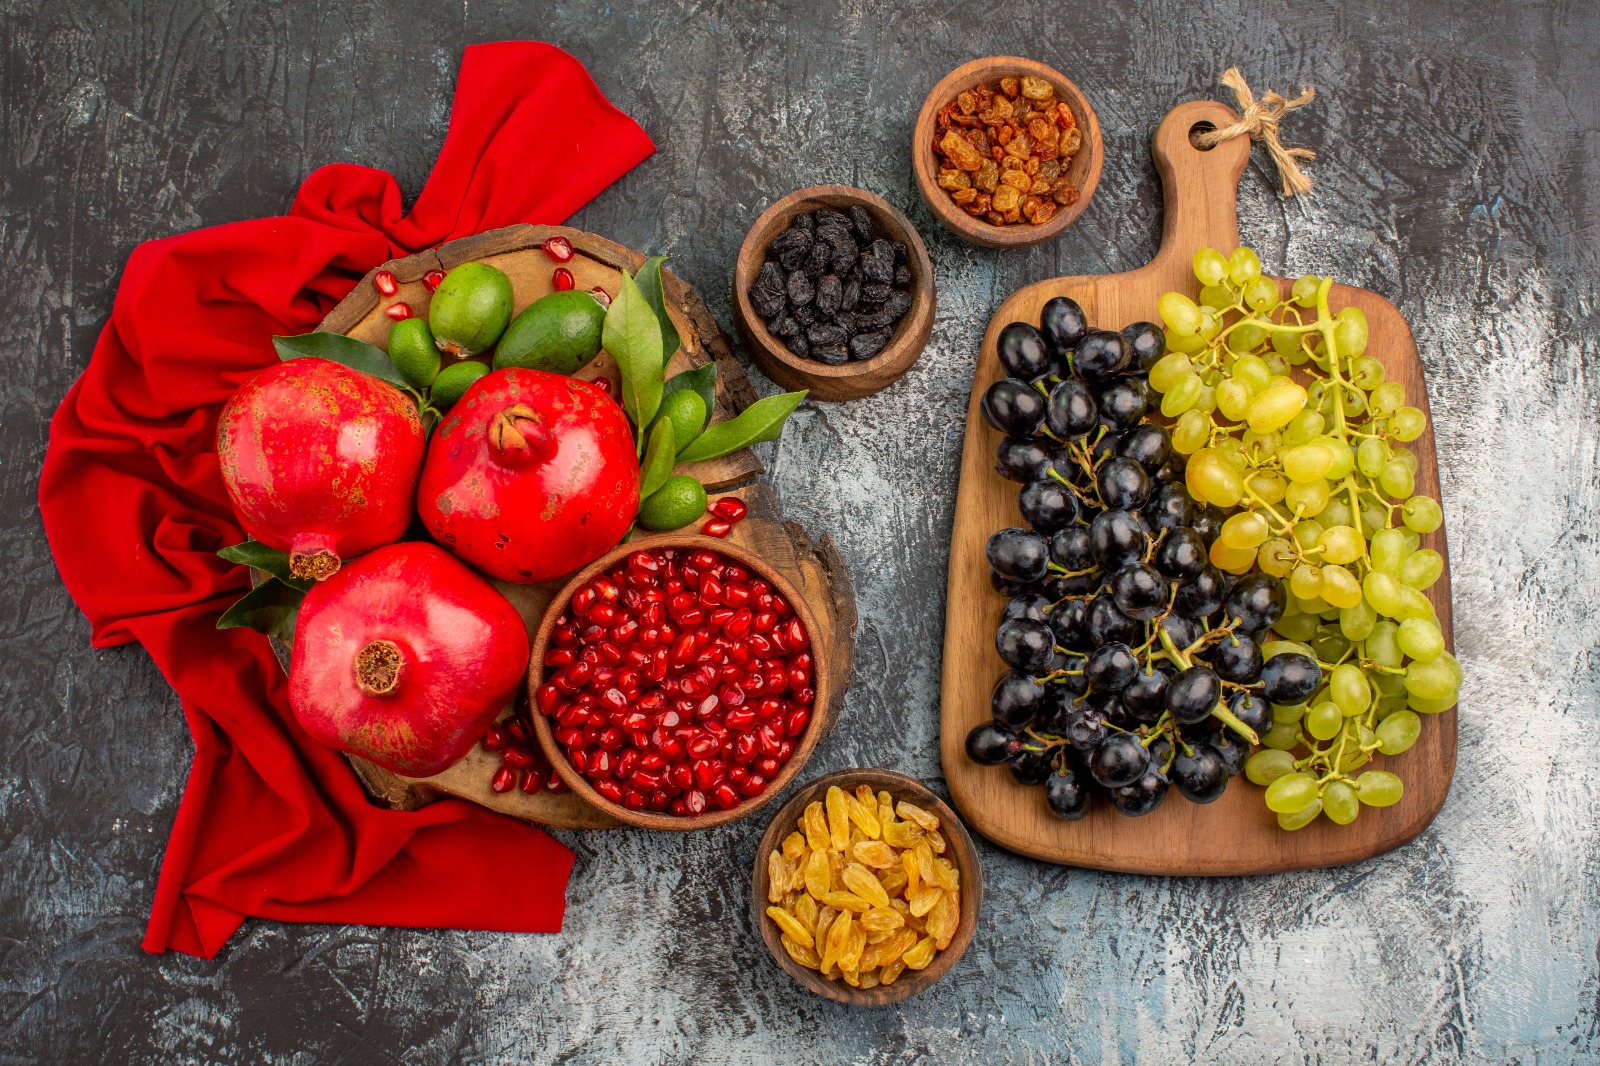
[[1459, 154]]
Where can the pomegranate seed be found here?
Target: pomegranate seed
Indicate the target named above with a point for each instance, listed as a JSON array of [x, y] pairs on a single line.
[[603, 384], [562, 279], [680, 776], [727, 796], [768, 709], [558, 248], [601, 296], [765, 622], [739, 775], [768, 766], [599, 764], [384, 282], [797, 721], [645, 780], [785, 749], [633, 799], [767, 740], [399, 311], [754, 786], [703, 745], [547, 696], [730, 507], [519, 729], [740, 720], [694, 801], [717, 527], [494, 738], [432, 280], [503, 779], [736, 595], [744, 748], [517, 757], [609, 789], [531, 781], [627, 763]]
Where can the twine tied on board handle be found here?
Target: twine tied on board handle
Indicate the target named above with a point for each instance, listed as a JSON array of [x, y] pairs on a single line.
[[1259, 121]]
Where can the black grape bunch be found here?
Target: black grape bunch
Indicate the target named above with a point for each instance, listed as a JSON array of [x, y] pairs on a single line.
[[1134, 663]]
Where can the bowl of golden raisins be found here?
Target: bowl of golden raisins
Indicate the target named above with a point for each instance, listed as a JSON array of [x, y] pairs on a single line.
[[866, 887]]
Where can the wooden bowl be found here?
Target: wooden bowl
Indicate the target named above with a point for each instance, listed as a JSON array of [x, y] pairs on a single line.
[[1084, 171], [855, 378], [823, 682], [959, 850]]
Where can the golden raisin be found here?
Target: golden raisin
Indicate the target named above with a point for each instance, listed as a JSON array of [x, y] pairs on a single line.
[[791, 926], [818, 876], [804, 955], [793, 846], [847, 901], [891, 971], [882, 919], [1010, 86], [874, 853], [865, 884], [838, 819], [815, 824], [918, 957]]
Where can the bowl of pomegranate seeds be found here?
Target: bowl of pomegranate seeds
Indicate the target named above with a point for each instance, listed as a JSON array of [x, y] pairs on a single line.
[[1006, 152], [674, 684]]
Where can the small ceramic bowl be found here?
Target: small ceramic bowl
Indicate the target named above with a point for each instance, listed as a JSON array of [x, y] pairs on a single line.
[[1084, 171], [822, 682], [855, 378], [959, 850]]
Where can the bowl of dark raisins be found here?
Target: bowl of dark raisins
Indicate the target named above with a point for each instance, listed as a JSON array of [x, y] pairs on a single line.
[[833, 292]]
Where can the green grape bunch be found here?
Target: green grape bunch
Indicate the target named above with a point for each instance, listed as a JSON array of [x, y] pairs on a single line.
[[1296, 434]]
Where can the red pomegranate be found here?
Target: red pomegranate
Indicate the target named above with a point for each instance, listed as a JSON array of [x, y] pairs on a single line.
[[531, 476], [320, 461], [404, 657]]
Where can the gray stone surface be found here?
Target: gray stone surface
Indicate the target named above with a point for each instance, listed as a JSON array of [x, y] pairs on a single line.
[[1459, 149]]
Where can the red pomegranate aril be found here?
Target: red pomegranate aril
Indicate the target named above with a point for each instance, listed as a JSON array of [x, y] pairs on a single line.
[[710, 591], [741, 654], [727, 796], [556, 658], [494, 738], [624, 632], [683, 650], [548, 698], [531, 781], [794, 634], [610, 652], [652, 762], [765, 622], [680, 775], [732, 695], [583, 599], [753, 786], [767, 740], [744, 748], [671, 748], [384, 282], [692, 617], [399, 311], [736, 595], [768, 766], [609, 789], [739, 775], [717, 527], [519, 729], [753, 683], [633, 799], [777, 679], [503, 780], [432, 280], [562, 280], [645, 781], [680, 808], [669, 719], [739, 625], [563, 635], [627, 763], [558, 248], [703, 745], [600, 764], [579, 758], [740, 720], [554, 785], [694, 801], [656, 801], [611, 738], [730, 507], [635, 722], [702, 559], [784, 610], [719, 617], [612, 699], [517, 757], [785, 750], [796, 722], [735, 575], [768, 709], [603, 614]]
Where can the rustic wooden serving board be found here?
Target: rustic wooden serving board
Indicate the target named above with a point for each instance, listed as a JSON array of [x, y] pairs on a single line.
[[1236, 834], [814, 568]]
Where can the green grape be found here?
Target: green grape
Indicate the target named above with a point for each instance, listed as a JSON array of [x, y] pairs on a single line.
[[1179, 313], [1267, 765], [1386, 399], [1210, 323], [1350, 332], [1383, 592], [1291, 792], [1388, 551], [1341, 544], [1389, 704], [1206, 402], [1373, 514], [1420, 639], [1398, 732], [1282, 736], [1393, 686], [1406, 457], [1276, 364], [1273, 409], [1183, 395], [1307, 463], [1382, 647], [1259, 447], [1288, 714], [1247, 529], [1412, 538], [1231, 451], [1245, 337], [1301, 818], [1186, 343], [1268, 484], [1422, 568], [1288, 345], [1243, 266], [1233, 399], [1396, 480], [1298, 627], [1422, 514], [1276, 556], [1430, 680], [1273, 648], [1354, 402], [1339, 803], [1169, 370], [1455, 667], [1261, 294], [1216, 296], [1407, 424], [1324, 721], [1372, 456], [1413, 604], [1348, 685], [1190, 432], [1366, 373], [1344, 459], [1353, 757], [1253, 372], [1308, 532], [1305, 289], [1426, 706], [1311, 499], [1303, 428], [1210, 267], [1357, 622], [1330, 644], [1379, 788]]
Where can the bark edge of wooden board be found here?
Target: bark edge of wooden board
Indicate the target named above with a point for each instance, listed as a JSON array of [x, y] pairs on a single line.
[[1236, 834]]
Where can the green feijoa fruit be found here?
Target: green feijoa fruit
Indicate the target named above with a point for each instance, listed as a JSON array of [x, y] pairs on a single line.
[[412, 351], [680, 500], [687, 413], [559, 332], [455, 380], [470, 310]]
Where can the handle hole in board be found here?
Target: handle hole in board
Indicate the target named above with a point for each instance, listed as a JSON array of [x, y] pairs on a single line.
[[1196, 130]]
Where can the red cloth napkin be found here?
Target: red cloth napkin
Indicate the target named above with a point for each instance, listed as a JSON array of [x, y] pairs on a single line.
[[272, 824]]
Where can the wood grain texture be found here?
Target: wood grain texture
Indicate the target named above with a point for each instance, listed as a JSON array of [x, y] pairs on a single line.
[[960, 850], [1084, 170], [856, 378], [1236, 834]]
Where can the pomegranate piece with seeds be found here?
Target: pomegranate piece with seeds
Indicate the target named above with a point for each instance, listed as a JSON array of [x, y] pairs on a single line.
[[695, 715]]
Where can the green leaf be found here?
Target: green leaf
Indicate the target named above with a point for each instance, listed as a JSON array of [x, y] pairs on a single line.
[[702, 379], [633, 337], [346, 351], [659, 457], [762, 420], [649, 279], [255, 554], [268, 608]]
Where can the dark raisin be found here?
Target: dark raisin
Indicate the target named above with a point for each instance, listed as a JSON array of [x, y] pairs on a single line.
[[824, 215], [817, 259], [867, 345], [805, 314], [766, 302], [791, 248], [877, 265], [902, 276], [827, 333], [832, 354], [799, 346], [862, 220], [875, 293], [771, 276], [830, 291], [852, 293], [897, 305], [799, 288], [847, 319], [844, 255], [900, 252], [784, 326], [805, 223]]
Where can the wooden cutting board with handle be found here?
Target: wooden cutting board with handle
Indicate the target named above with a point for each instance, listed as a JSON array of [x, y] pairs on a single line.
[[1236, 834]]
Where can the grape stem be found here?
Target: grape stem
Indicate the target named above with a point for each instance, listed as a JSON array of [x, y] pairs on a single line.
[[1219, 712]]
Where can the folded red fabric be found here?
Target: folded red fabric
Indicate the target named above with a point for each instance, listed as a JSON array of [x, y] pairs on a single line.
[[271, 824]]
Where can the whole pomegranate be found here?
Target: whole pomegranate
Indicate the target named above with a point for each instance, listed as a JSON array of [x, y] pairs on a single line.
[[404, 657], [531, 476], [320, 461]]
